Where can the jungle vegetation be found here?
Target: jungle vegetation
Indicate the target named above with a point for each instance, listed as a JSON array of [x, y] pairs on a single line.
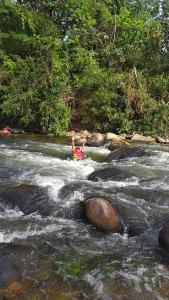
[[101, 65]]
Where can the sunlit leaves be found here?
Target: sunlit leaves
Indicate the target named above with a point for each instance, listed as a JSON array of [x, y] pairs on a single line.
[[104, 60]]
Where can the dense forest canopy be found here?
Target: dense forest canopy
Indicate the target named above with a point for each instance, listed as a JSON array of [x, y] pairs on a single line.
[[96, 64]]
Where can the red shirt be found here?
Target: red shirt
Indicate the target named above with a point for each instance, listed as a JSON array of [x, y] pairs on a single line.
[[79, 153]]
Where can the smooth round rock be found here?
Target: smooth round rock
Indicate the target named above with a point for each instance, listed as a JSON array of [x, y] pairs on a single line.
[[101, 213]]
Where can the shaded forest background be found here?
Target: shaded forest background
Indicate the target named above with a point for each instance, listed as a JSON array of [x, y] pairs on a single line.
[[101, 65]]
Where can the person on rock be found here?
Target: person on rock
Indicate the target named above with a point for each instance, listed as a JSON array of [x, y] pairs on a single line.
[[6, 131]]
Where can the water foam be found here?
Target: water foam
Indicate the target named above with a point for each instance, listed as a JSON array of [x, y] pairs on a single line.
[[8, 213]]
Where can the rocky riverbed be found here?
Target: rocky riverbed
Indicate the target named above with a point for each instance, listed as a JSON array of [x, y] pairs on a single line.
[[49, 250]]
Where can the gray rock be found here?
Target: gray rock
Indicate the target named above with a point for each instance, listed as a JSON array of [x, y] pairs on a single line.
[[126, 152], [29, 199], [110, 173], [163, 237]]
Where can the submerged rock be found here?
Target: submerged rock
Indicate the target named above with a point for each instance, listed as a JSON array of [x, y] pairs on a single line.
[[126, 152], [163, 237], [101, 213], [110, 173], [29, 199]]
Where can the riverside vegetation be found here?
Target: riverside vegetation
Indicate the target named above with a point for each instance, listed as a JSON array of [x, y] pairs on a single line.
[[65, 63]]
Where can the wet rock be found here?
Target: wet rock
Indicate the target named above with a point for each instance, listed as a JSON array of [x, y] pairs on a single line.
[[85, 133], [112, 137], [12, 262], [110, 173], [39, 131], [118, 144], [127, 136], [101, 213], [29, 199], [138, 138], [153, 195], [136, 228], [16, 131], [126, 152], [163, 237], [96, 140], [68, 190], [160, 140]]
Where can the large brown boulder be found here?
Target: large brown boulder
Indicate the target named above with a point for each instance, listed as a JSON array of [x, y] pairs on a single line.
[[138, 138], [115, 144], [163, 237], [85, 133], [96, 140], [111, 137], [101, 213]]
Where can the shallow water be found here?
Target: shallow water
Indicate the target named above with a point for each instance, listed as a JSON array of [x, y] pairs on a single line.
[[59, 255]]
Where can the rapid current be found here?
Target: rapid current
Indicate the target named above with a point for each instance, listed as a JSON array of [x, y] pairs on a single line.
[[49, 252]]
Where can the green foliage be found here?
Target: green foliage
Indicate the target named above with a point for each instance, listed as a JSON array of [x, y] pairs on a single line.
[[55, 116], [72, 266], [102, 65], [34, 73]]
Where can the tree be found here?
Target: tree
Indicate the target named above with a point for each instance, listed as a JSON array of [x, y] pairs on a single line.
[[34, 72]]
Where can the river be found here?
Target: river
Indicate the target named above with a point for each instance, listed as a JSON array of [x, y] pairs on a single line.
[[49, 252]]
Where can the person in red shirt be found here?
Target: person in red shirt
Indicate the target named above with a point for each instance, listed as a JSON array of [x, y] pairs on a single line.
[[77, 152]]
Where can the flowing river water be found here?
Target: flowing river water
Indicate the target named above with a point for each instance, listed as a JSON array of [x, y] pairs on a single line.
[[49, 252]]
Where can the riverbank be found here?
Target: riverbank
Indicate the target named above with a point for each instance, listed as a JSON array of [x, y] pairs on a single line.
[[96, 139]]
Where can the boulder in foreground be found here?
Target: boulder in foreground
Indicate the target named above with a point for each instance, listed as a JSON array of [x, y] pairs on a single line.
[[101, 213]]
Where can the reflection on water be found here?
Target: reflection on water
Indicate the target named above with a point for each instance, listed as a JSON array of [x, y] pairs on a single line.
[[58, 255]]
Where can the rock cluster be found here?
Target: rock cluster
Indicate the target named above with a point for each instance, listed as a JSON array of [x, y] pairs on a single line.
[[113, 141]]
